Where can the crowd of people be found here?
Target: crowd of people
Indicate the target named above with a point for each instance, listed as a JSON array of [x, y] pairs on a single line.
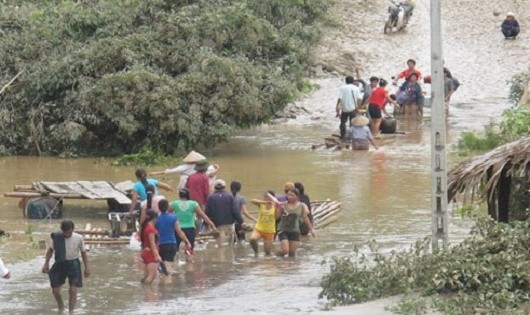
[[165, 225], [364, 105], [204, 204]]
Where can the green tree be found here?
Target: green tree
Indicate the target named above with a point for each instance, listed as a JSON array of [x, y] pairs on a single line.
[[113, 77]]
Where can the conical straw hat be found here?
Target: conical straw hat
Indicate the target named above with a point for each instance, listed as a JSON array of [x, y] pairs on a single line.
[[194, 157], [360, 120]]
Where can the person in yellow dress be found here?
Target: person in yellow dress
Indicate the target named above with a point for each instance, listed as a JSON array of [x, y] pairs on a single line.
[[265, 227]]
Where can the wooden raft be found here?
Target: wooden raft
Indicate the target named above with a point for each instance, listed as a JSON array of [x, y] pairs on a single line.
[[94, 190], [325, 212], [98, 236], [334, 142]]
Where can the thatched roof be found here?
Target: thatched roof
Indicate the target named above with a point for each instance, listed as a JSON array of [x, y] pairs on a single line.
[[513, 156]]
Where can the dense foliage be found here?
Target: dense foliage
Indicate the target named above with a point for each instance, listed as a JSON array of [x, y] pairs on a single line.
[[486, 273], [113, 77]]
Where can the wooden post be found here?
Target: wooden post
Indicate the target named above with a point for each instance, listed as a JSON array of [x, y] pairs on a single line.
[[503, 189], [491, 196]]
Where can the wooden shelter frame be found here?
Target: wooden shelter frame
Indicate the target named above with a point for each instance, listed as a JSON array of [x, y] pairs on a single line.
[[492, 173]]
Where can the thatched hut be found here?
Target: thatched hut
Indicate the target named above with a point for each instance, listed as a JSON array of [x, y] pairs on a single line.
[[492, 174]]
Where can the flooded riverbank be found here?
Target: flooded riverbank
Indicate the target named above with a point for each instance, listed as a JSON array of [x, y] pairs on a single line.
[[385, 193]]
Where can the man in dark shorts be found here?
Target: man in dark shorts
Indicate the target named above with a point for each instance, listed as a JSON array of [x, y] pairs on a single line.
[[67, 246]]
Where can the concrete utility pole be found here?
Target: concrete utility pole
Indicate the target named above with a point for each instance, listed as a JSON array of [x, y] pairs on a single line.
[[438, 133]]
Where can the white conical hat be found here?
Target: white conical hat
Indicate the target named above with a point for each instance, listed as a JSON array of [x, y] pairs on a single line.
[[194, 157], [360, 120]]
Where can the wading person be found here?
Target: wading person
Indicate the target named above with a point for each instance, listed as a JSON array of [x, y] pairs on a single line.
[[368, 90], [448, 89], [167, 225], [220, 209], [67, 246], [286, 187], [347, 104], [289, 228], [187, 211], [149, 242], [361, 134], [188, 168], [265, 227], [198, 184], [139, 191], [377, 103], [411, 68], [410, 96], [241, 204], [304, 198], [152, 200], [4, 272]]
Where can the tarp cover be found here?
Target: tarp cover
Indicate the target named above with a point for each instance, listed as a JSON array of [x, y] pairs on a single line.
[[88, 189]]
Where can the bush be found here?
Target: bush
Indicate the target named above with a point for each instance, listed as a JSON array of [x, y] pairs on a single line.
[[489, 271], [164, 75], [517, 85], [489, 139]]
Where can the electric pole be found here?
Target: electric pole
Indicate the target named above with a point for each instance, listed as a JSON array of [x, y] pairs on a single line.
[[438, 134]]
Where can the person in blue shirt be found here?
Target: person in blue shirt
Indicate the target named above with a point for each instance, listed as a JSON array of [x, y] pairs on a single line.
[[167, 225], [139, 191]]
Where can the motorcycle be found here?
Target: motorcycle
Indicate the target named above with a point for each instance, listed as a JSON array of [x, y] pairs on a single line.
[[398, 17]]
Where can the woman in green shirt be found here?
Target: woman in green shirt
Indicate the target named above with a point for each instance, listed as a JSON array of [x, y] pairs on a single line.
[[186, 210]]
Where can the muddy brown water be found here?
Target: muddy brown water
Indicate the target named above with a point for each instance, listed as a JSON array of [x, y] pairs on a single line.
[[384, 194]]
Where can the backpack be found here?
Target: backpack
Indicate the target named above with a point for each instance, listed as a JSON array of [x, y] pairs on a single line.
[[456, 84]]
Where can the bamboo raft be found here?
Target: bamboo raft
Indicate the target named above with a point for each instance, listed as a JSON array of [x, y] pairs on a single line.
[[388, 126], [324, 213], [98, 237], [334, 142]]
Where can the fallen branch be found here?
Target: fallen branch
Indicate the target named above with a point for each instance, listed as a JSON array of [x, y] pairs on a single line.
[[10, 82]]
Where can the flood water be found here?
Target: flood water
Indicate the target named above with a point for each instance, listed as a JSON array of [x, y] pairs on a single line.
[[385, 194]]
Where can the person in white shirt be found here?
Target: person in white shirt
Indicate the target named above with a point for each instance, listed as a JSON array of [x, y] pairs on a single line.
[[4, 272], [347, 104], [187, 169], [68, 246]]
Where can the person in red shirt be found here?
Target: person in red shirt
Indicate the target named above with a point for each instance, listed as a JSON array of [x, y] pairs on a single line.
[[198, 184], [149, 254], [411, 68], [376, 106]]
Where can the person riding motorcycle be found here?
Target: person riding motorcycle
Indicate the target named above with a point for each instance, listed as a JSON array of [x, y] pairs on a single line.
[[400, 12], [409, 6]]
